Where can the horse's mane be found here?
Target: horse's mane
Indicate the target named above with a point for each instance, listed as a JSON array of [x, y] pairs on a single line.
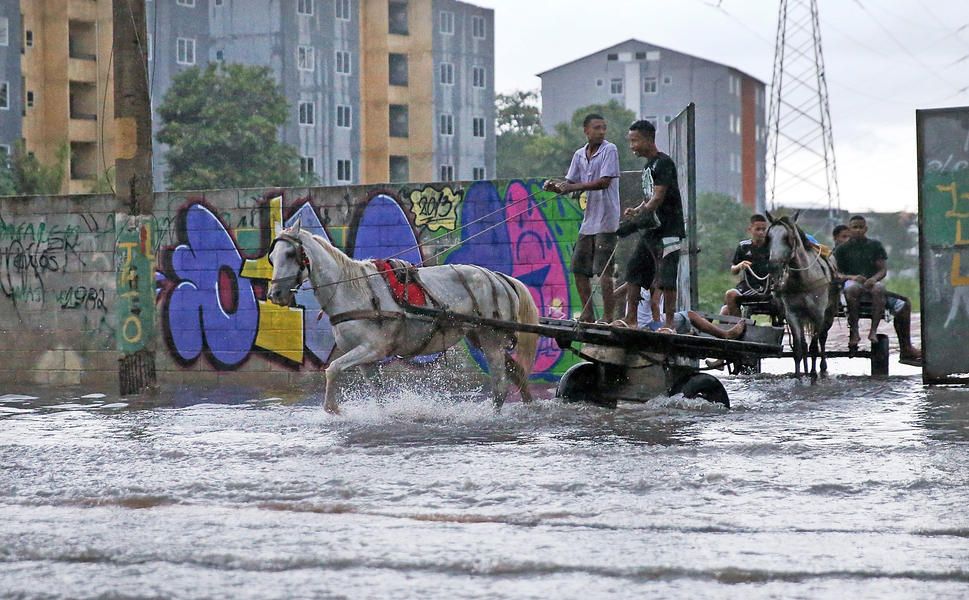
[[355, 271], [786, 220]]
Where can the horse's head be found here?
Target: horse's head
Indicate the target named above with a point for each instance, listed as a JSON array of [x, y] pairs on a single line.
[[290, 266], [783, 238]]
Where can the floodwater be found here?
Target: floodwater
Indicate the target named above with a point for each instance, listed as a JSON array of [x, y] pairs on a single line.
[[853, 488]]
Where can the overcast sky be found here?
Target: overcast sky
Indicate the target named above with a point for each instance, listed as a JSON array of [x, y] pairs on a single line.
[[884, 59]]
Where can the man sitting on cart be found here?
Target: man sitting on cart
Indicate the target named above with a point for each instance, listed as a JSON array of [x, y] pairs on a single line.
[[751, 262], [863, 265]]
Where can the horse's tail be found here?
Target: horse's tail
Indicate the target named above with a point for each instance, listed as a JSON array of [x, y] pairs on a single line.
[[527, 313]]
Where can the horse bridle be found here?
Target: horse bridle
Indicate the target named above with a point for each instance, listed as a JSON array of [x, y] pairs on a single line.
[[304, 261], [790, 229]]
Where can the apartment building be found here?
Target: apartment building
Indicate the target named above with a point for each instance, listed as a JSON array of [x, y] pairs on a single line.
[[656, 83], [379, 90]]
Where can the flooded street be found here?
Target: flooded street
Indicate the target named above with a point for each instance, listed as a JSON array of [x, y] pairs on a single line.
[[850, 488]]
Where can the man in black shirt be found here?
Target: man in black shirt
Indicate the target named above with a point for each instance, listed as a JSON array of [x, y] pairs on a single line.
[[656, 257], [862, 262], [751, 260]]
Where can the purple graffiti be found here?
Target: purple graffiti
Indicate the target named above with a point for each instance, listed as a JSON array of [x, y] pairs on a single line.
[[211, 306]]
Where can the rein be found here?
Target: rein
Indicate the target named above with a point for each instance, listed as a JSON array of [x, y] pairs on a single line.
[[789, 266]]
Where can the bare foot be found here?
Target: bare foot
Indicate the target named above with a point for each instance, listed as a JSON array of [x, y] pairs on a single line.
[[911, 352], [665, 330], [736, 331], [619, 323], [873, 336], [853, 339]]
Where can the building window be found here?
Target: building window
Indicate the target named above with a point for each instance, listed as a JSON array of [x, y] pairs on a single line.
[[478, 27], [185, 51], [478, 77], [4, 31], [4, 95], [397, 17], [447, 22], [343, 62], [304, 7], [30, 100], [29, 38], [599, 83], [398, 69], [399, 168], [478, 173], [398, 120], [344, 170], [305, 58], [220, 55], [651, 119], [615, 86], [640, 56], [447, 124], [478, 127], [612, 57], [667, 80], [447, 74], [667, 119], [185, 2], [219, 2], [343, 116], [650, 85], [447, 173], [343, 10], [307, 165], [306, 116]]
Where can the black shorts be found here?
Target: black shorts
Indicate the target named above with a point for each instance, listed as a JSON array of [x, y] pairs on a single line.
[[593, 255], [747, 290], [643, 270]]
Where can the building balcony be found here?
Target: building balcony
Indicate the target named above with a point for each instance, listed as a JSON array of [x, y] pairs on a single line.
[[81, 69], [82, 128], [82, 10], [81, 186]]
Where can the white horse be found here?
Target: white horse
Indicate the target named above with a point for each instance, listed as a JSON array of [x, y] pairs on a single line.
[[369, 324], [801, 279]]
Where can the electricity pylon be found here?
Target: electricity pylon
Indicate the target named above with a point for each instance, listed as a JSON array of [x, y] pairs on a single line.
[[801, 166]]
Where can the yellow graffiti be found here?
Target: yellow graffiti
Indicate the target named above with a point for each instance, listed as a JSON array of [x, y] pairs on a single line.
[[259, 268], [436, 209], [281, 330], [956, 278], [135, 337]]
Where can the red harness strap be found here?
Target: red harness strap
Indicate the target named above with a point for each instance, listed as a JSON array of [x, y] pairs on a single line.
[[404, 290]]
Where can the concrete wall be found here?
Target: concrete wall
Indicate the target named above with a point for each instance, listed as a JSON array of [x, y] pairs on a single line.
[[60, 264]]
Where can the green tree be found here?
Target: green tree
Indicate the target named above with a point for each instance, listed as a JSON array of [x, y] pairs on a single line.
[[721, 222], [221, 124], [525, 149], [22, 174]]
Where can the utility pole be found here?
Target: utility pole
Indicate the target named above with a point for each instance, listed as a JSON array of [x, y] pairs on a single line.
[[801, 167], [135, 251]]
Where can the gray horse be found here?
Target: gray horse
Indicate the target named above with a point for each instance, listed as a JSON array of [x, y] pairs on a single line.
[[369, 325], [801, 279]]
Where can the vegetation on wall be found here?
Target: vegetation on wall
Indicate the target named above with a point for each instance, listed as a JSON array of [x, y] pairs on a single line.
[[22, 174], [221, 124]]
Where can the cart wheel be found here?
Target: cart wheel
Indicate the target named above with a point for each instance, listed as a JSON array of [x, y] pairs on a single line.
[[580, 383], [703, 385]]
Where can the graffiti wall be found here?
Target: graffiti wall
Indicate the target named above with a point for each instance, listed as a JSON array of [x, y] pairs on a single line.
[[943, 164], [57, 289], [75, 290]]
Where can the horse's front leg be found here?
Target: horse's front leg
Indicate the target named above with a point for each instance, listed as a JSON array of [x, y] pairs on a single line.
[[359, 355], [814, 357]]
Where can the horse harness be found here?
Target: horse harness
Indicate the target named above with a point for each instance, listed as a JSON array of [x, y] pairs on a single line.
[[411, 278]]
